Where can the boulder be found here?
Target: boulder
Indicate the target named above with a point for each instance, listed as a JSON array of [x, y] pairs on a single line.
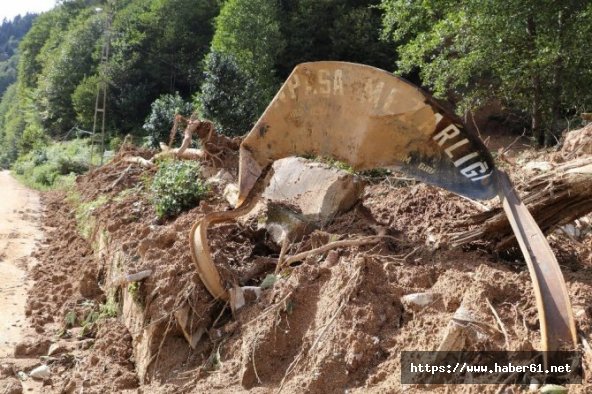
[[319, 191], [303, 195]]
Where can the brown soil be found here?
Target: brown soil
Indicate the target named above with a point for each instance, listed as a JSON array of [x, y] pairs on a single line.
[[19, 232], [333, 323]]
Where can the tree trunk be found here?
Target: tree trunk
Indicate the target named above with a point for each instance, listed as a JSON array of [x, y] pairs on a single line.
[[536, 110], [537, 118], [551, 137], [554, 199]]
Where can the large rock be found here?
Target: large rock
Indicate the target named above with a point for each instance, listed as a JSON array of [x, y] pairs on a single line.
[[303, 194], [319, 191]]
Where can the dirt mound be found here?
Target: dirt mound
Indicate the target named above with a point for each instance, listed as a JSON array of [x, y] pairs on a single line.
[[334, 322], [107, 368], [8, 381], [68, 271], [118, 175]]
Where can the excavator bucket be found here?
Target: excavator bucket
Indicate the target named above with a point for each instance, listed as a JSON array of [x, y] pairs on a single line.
[[369, 119]]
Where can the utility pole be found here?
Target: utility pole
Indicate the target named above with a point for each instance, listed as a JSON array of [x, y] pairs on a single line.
[[101, 98]]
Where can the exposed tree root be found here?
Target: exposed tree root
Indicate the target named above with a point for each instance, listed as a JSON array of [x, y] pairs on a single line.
[[219, 150]]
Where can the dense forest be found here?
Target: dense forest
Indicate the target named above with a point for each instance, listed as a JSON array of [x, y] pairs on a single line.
[[226, 58], [11, 33]]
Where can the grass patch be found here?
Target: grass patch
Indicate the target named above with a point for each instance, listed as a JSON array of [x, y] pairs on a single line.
[[133, 288], [375, 173]]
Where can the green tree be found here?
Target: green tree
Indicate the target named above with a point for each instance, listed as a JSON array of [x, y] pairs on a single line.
[[8, 142], [157, 48], [66, 66], [22, 125], [229, 95], [46, 34], [84, 100], [11, 33], [249, 31], [346, 30], [8, 72], [534, 55]]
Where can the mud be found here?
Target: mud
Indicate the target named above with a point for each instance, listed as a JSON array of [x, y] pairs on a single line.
[[331, 323]]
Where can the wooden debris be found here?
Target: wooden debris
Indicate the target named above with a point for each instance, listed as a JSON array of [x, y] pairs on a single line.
[[554, 198]]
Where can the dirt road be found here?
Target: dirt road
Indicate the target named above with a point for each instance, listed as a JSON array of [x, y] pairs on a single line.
[[20, 211]]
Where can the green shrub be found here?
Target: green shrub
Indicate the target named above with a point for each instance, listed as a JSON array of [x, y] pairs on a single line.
[[161, 118], [115, 143], [67, 165], [176, 187], [45, 174], [49, 166]]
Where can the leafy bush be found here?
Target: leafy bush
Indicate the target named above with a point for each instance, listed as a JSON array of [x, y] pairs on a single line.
[[48, 166], [45, 175], [160, 120], [115, 143], [176, 187], [68, 165]]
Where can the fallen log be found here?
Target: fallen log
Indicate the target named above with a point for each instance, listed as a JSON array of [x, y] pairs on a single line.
[[554, 198]]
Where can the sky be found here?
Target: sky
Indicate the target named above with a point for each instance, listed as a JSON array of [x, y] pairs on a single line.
[[11, 8]]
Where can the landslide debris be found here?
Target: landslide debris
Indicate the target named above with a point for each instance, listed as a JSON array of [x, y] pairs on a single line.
[[334, 322]]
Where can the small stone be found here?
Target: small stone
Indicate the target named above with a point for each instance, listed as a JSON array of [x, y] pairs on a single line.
[[571, 230], [418, 301], [40, 373], [222, 177], [553, 389], [542, 166], [58, 348], [231, 194], [534, 385]]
